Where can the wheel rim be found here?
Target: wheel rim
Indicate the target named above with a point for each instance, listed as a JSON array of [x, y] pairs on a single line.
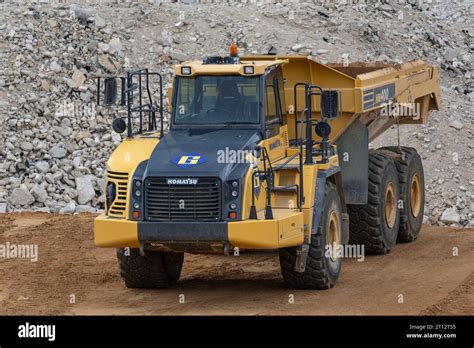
[[415, 195], [333, 235], [390, 205]]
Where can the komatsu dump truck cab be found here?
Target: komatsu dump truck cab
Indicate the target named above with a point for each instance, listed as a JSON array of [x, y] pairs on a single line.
[[262, 152]]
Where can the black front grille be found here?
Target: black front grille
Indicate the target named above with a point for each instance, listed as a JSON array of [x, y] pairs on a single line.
[[182, 202]]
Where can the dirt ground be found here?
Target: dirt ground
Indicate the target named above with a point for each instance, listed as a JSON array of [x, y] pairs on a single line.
[[425, 274]]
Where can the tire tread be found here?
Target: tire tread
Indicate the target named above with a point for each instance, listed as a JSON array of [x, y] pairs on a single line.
[[154, 270], [364, 220]]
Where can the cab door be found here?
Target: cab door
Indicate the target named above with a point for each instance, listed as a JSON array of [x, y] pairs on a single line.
[[274, 106]]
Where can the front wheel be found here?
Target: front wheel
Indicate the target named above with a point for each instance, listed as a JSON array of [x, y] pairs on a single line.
[[323, 265], [156, 269]]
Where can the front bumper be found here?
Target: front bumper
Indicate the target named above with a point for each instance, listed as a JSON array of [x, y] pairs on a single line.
[[248, 234], [111, 232]]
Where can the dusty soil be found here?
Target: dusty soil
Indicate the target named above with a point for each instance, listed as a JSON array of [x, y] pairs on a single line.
[[427, 275]]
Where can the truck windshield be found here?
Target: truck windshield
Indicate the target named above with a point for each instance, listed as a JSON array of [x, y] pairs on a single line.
[[209, 100]]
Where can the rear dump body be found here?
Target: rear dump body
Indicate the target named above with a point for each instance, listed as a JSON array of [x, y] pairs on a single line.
[[366, 93], [364, 88]]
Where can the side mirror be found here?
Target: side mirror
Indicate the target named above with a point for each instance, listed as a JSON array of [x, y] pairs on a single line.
[[119, 125], [110, 91], [329, 104]]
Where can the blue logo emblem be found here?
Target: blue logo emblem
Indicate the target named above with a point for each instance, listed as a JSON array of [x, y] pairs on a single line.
[[188, 160]]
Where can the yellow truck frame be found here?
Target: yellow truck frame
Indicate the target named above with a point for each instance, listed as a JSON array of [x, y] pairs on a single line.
[[290, 199]]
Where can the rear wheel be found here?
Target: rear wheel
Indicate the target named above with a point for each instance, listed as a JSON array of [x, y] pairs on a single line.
[[323, 265], [375, 224], [412, 192], [156, 269]]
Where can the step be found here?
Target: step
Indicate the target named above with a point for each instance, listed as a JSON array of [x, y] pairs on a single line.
[[289, 166], [284, 189]]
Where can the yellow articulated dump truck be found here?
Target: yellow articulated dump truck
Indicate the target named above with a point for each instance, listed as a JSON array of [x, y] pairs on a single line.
[[262, 152]]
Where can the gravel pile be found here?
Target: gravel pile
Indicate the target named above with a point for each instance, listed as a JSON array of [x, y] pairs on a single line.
[[56, 141]]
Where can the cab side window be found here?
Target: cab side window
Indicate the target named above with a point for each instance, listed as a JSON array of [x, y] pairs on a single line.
[[273, 102]]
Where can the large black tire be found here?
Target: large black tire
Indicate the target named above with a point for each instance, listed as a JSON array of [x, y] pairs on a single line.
[[157, 269], [368, 224], [412, 185], [321, 272]]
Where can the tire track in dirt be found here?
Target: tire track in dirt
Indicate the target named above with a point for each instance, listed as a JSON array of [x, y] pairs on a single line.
[[458, 302]]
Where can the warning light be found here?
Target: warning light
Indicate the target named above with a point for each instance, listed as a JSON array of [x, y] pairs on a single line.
[[232, 215], [136, 214], [233, 50]]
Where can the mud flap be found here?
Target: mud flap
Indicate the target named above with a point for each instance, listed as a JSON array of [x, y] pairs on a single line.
[[354, 143], [302, 255], [345, 228]]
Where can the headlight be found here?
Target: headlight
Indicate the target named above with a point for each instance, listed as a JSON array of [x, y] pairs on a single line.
[[233, 189], [248, 70], [137, 188]]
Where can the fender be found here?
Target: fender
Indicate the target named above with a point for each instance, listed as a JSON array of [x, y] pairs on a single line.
[[333, 174]]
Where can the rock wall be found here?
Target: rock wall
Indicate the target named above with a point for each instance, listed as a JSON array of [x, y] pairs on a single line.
[[56, 141]]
